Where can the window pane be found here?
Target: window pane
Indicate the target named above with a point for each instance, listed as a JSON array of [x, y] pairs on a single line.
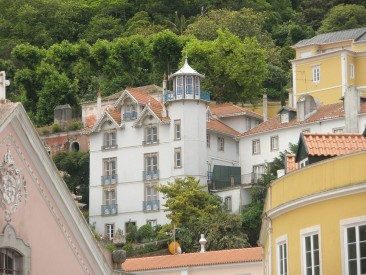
[[352, 251], [317, 270], [351, 235], [307, 244], [316, 241], [316, 257], [309, 271], [308, 259], [363, 249], [363, 266], [352, 267], [362, 232]]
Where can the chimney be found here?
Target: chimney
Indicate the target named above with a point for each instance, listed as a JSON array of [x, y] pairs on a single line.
[[203, 242], [3, 83], [265, 108], [99, 103], [351, 109], [164, 82]]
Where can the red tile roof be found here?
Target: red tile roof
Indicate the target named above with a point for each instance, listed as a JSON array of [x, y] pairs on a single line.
[[229, 109], [218, 126], [194, 259], [291, 165], [324, 112], [333, 144], [115, 115]]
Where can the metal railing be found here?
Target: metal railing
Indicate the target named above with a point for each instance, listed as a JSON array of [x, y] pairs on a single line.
[[250, 178], [112, 179], [203, 95], [151, 205], [109, 146], [148, 142], [150, 175], [111, 209], [129, 116]]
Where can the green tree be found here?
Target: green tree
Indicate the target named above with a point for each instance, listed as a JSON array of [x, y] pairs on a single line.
[[75, 166], [186, 198], [344, 17]]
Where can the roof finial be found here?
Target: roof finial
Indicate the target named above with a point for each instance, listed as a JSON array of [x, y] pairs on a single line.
[[186, 57]]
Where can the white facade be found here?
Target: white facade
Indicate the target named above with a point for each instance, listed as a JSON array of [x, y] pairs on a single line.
[[146, 140]]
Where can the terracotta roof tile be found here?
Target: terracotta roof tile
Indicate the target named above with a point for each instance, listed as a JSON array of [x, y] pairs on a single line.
[[194, 259], [218, 126], [115, 115], [333, 144], [291, 165], [229, 109], [324, 112]]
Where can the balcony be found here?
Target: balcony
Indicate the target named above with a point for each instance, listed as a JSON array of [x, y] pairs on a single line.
[[150, 175], [250, 178], [130, 116], [112, 179], [109, 146], [148, 206], [150, 142], [109, 210], [203, 95]]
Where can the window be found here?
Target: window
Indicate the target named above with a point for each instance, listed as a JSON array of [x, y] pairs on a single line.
[[352, 71], [274, 143], [110, 202], [228, 203], [130, 111], [310, 247], [284, 118], [151, 198], [208, 137], [338, 130], [151, 166], [177, 130], [179, 85], [306, 131], [151, 135], [247, 124], [354, 243], [152, 223], [109, 166], [10, 261], [177, 158], [305, 54], [256, 147], [282, 256], [197, 89], [220, 143], [109, 231], [258, 171], [189, 85], [316, 74], [110, 139]]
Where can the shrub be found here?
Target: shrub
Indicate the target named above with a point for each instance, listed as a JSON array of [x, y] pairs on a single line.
[[74, 125], [56, 128], [146, 232]]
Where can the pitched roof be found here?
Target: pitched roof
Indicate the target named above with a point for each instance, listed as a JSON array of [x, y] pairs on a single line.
[[333, 144], [243, 255], [332, 37], [291, 165], [218, 126], [186, 70], [230, 109], [324, 112]]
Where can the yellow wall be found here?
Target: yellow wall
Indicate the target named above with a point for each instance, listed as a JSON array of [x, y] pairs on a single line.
[[359, 47], [360, 71], [325, 176], [272, 108]]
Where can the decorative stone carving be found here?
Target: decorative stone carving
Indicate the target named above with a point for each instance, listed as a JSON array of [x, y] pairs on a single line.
[[118, 257], [12, 186], [119, 238]]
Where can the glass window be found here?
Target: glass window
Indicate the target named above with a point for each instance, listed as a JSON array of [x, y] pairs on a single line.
[[316, 74], [151, 134], [258, 172], [197, 88], [352, 71], [151, 162], [177, 129], [189, 85], [110, 139], [256, 148], [179, 85], [177, 158], [310, 238], [284, 118], [10, 261], [109, 231], [274, 143], [228, 203], [356, 249], [282, 258], [220, 144], [208, 137], [110, 197], [109, 166], [152, 223]]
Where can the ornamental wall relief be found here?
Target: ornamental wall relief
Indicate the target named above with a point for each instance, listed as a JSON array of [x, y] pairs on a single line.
[[12, 186]]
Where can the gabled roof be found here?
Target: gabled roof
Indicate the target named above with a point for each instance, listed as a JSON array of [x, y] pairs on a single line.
[[291, 165], [109, 115], [230, 109], [333, 37], [324, 112], [330, 145], [244, 255], [219, 127]]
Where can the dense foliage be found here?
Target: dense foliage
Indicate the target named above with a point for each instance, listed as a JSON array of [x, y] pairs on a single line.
[[62, 51]]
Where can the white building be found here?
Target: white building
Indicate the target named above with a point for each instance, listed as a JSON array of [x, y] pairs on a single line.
[[151, 135], [263, 143]]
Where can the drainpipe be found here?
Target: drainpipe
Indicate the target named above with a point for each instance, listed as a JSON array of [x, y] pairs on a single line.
[[265, 107]]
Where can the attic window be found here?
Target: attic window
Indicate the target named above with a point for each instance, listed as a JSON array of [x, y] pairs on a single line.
[[284, 118]]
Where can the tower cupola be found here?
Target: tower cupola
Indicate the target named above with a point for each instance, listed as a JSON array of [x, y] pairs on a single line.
[[186, 85]]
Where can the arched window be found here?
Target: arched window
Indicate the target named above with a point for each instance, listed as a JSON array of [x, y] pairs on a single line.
[[75, 147], [10, 261]]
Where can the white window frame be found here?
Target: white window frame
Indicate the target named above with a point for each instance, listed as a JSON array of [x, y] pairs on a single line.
[[352, 71], [109, 196], [109, 230], [177, 129], [152, 223], [228, 203], [285, 118], [189, 85], [151, 134], [282, 263], [197, 86], [109, 166], [177, 157], [110, 139], [344, 225], [220, 144], [274, 143], [179, 84], [151, 195], [305, 233], [256, 147], [316, 73], [151, 162]]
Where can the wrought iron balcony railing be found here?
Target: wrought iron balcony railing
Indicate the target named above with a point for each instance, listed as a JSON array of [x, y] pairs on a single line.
[[130, 115], [111, 209], [151, 205], [112, 179], [150, 175], [149, 142], [203, 95]]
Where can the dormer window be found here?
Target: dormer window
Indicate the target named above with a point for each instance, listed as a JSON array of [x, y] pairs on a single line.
[[130, 111], [179, 85], [284, 118], [189, 85]]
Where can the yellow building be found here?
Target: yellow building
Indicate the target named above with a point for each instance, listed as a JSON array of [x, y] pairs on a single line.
[[327, 64], [315, 219]]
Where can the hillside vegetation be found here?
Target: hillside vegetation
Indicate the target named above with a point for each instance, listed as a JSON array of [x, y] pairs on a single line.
[[62, 51]]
